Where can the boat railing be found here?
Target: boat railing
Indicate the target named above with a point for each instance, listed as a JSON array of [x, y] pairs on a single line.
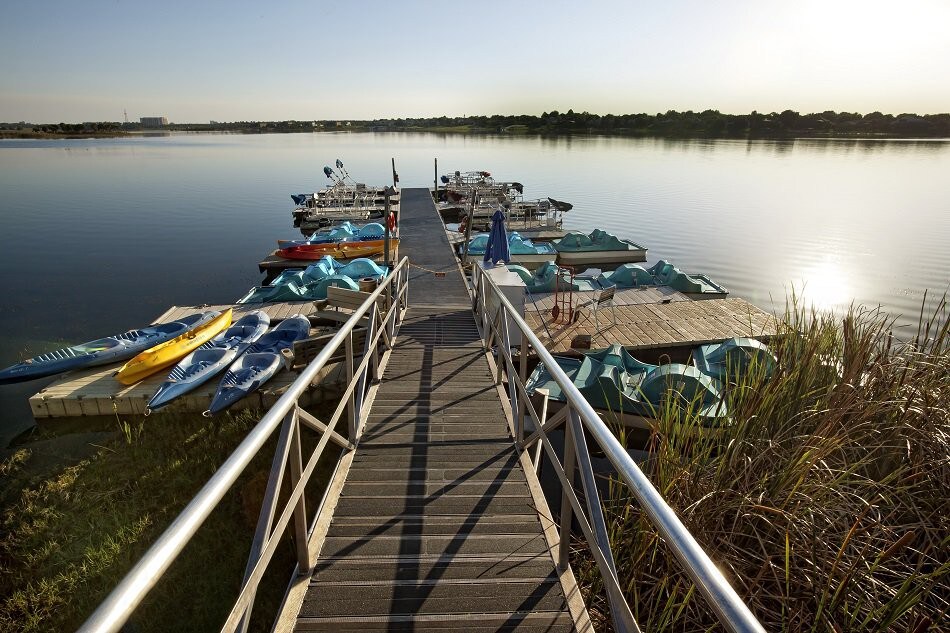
[[535, 213], [501, 325], [380, 315]]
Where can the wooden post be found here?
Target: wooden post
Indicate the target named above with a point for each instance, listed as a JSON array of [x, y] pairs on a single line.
[[435, 181], [395, 175]]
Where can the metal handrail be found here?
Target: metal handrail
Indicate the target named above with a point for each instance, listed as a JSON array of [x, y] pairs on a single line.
[[119, 605], [729, 608]]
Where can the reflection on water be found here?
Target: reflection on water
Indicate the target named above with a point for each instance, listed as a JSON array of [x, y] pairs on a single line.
[[102, 235], [825, 285]]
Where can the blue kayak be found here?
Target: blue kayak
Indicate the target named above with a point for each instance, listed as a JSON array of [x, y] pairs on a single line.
[[110, 349], [259, 363], [210, 359]]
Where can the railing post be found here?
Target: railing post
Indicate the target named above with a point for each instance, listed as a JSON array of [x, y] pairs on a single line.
[[389, 295], [300, 511], [370, 334], [485, 308], [538, 452], [351, 410], [362, 387], [567, 512], [523, 377], [269, 503], [514, 396], [405, 300], [619, 609], [476, 285], [496, 337]]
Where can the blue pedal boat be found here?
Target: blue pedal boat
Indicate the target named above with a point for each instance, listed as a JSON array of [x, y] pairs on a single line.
[[622, 388]]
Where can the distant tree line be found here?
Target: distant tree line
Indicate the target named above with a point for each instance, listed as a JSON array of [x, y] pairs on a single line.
[[689, 124], [708, 123]]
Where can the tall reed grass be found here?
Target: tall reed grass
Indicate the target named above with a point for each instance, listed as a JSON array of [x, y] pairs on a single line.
[[824, 500]]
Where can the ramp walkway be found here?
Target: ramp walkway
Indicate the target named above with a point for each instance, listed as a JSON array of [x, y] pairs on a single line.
[[436, 528]]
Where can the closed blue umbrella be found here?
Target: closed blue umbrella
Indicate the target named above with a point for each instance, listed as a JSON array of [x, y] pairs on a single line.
[[497, 248]]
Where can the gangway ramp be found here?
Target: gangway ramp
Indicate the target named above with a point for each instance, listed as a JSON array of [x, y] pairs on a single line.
[[436, 528]]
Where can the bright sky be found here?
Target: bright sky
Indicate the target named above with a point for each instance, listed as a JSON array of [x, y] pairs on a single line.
[[195, 61]]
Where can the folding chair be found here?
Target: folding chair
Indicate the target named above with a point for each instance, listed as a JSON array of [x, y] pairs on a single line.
[[603, 299]]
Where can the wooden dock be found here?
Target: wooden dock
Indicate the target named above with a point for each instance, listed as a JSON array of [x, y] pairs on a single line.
[[277, 311], [653, 326], [544, 301]]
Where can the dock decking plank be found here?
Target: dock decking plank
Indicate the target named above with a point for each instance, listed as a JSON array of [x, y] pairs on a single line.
[[645, 325]]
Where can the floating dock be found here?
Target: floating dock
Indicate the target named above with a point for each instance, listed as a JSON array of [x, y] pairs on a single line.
[[649, 325], [94, 391]]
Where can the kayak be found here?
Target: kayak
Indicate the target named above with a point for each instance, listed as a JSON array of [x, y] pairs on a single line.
[[211, 358], [259, 363], [341, 250], [167, 354], [110, 349]]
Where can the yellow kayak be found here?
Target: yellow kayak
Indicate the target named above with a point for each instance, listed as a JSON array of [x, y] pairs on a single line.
[[170, 352]]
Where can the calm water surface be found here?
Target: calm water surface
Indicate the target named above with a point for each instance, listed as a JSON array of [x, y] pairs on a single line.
[[102, 235]]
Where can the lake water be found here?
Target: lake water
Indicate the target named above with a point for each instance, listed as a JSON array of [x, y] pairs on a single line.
[[102, 235]]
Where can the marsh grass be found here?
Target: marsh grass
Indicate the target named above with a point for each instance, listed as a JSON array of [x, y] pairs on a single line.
[[825, 499], [67, 536]]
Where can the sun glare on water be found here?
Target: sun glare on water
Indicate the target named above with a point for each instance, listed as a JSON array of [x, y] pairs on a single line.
[[824, 285]]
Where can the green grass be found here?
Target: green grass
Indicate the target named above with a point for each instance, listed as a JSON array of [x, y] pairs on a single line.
[[70, 533], [824, 502]]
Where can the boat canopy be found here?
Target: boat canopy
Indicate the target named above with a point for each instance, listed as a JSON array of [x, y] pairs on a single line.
[[372, 231], [733, 357], [666, 274], [307, 284], [517, 245], [549, 275], [626, 276], [598, 240]]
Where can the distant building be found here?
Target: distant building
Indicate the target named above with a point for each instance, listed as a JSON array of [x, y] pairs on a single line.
[[153, 121]]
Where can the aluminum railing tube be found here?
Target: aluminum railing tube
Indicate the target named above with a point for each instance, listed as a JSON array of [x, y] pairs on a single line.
[[723, 599], [121, 603]]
